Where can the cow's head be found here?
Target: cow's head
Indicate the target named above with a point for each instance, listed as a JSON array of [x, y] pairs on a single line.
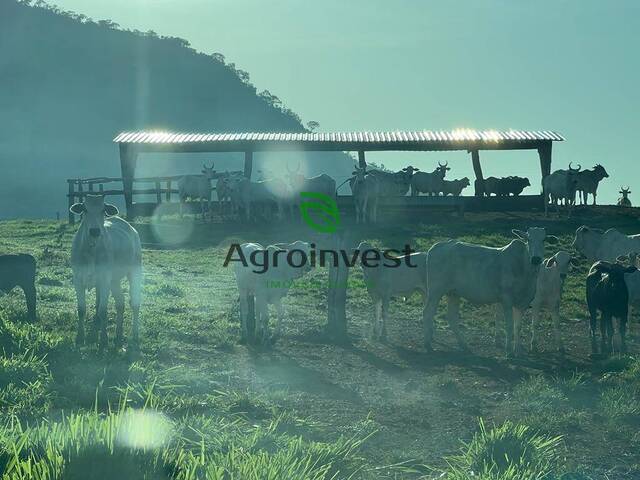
[[442, 169], [409, 171], [600, 172], [624, 192], [572, 177], [464, 181], [93, 211], [525, 182], [208, 171], [294, 177], [615, 270], [535, 238], [587, 240], [563, 261]]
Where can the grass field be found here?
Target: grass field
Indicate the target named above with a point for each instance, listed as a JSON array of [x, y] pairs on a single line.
[[197, 404]]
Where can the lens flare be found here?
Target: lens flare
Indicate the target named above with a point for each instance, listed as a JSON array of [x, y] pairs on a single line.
[[144, 429]]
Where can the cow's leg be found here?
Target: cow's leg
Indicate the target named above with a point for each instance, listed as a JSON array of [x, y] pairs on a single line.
[[181, 207], [82, 311], [555, 316], [605, 342], [517, 323], [30, 298], [262, 318], [135, 300], [371, 328], [497, 336], [385, 313], [103, 288], [453, 318], [594, 197], [623, 334], [244, 313], [428, 315], [507, 311], [118, 297], [279, 319], [593, 319], [535, 318]]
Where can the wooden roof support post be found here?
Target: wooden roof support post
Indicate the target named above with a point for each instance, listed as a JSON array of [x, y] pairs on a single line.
[[477, 169], [128, 160], [248, 163], [362, 163], [544, 152], [337, 294]]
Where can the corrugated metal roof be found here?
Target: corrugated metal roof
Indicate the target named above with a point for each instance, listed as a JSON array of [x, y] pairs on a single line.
[[405, 140], [351, 137]]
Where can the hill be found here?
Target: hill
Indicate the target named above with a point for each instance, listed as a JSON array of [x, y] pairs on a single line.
[[69, 84]]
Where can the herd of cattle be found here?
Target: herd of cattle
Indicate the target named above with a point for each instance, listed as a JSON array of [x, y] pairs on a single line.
[[106, 249], [238, 195]]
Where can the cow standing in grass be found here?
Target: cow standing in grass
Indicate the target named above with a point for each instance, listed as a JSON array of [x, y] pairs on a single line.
[[20, 271], [484, 275], [588, 181], [454, 187], [560, 185], [386, 279], [268, 285], [105, 250], [607, 293], [549, 290], [196, 187]]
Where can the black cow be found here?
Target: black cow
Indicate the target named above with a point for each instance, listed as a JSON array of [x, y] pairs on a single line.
[[20, 271], [607, 292]]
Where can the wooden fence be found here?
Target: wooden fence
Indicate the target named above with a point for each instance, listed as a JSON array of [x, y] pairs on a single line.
[[162, 187], [412, 207]]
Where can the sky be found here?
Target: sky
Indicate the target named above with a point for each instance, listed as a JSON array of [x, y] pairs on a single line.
[[568, 66]]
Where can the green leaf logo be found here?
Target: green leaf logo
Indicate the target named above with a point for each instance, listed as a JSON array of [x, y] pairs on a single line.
[[320, 212]]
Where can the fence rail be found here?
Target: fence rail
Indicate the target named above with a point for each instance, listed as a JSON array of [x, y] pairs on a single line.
[[163, 189]]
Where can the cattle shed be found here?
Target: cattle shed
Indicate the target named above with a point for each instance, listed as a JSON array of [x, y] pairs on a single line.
[[132, 144]]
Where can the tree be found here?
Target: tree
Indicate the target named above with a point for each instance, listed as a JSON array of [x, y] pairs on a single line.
[[313, 125]]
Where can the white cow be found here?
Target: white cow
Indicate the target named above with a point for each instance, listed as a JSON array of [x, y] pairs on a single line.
[[270, 286], [429, 182], [196, 187], [105, 250], [549, 290], [484, 275], [596, 244], [224, 191], [250, 196], [560, 185], [319, 184], [363, 189], [386, 279]]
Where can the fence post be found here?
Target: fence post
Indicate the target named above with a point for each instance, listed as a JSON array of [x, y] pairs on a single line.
[[71, 195], [101, 188], [80, 191], [91, 187], [158, 194], [168, 194]]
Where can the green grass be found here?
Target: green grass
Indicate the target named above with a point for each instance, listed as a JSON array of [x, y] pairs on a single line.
[[306, 408]]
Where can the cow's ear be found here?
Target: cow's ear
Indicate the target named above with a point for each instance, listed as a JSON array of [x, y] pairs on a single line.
[[520, 234], [110, 210], [552, 239], [77, 208]]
